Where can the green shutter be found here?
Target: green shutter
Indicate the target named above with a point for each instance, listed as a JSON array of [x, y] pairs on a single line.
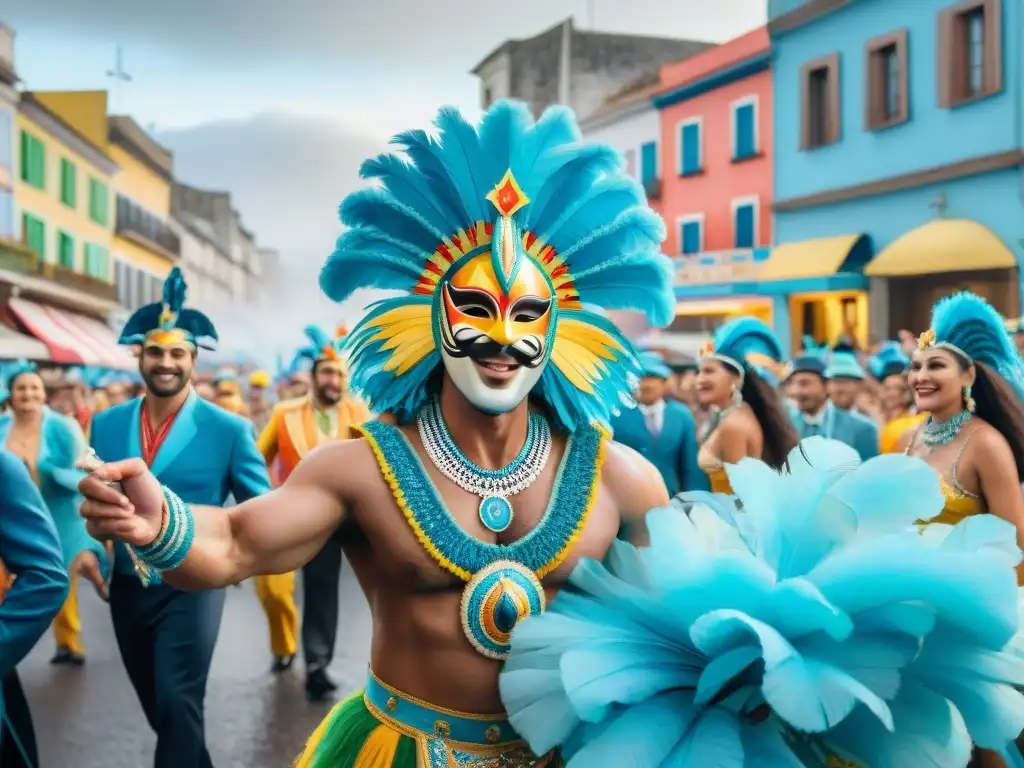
[[97, 262], [33, 161], [68, 183], [66, 250], [99, 202], [35, 234]]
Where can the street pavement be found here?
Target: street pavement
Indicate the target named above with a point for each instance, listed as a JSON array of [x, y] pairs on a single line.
[[89, 717]]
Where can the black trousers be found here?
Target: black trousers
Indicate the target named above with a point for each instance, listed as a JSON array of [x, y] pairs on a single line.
[[166, 638], [17, 738], [320, 577]]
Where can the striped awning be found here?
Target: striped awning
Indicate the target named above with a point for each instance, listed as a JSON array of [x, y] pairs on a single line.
[[71, 338]]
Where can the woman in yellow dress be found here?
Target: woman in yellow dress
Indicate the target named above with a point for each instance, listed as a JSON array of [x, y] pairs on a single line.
[[969, 376], [890, 367], [748, 416]]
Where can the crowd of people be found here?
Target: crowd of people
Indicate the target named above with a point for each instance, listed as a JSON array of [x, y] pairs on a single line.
[[625, 560]]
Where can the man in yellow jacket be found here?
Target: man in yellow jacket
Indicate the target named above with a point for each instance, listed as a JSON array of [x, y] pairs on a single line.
[[296, 427]]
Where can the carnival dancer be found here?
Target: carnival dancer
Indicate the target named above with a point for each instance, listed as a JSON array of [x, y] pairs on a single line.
[[166, 636], [31, 549], [889, 366], [661, 430], [968, 375], [49, 444], [296, 427], [749, 418], [818, 415], [467, 517]]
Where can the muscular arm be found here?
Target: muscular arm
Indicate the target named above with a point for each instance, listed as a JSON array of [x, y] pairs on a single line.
[[1000, 484], [636, 486]]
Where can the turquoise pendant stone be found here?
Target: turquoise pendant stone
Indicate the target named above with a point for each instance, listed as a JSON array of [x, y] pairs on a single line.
[[496, 513]]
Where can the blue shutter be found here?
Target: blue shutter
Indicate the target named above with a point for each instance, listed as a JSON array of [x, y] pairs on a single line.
[[690, 238], [690, 141], [6, 138], [744, 226], [746, 145], [648, 162]]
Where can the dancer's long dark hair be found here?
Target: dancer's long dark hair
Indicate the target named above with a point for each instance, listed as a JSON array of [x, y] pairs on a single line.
[[780, 435], [998, 404]]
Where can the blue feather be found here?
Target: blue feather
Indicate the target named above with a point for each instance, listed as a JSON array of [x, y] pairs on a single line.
[[175, 291], [743, 336], [466, 164], [572, 180]]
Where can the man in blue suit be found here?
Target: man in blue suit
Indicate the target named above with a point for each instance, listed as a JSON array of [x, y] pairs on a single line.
[[661, 430], [205, 454], [819, 416], [31, 551]]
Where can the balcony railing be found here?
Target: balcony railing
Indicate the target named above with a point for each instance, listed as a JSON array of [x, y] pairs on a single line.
[[652, 188], [136, 223], [18, 257], [94, 286]]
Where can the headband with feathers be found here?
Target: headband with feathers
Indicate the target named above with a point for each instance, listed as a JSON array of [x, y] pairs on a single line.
[[740, 338], [169, 320], [517, 190]]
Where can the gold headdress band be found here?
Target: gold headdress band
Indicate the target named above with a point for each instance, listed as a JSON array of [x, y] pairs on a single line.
[[927, 341]]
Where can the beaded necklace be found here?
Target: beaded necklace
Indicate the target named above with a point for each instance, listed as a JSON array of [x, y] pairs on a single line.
[[936, 433]]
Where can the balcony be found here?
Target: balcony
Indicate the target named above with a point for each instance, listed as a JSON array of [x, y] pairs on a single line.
[[77, 281], [139, 225], [652, 188], [18, 257]]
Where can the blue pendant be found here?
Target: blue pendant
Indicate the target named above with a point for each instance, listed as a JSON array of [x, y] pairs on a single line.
[[495, 601], [496, 513]]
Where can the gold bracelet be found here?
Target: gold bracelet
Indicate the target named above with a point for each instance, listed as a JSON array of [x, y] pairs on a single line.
[[141, 569]]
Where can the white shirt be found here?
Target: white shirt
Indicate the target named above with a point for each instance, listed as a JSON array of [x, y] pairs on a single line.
[[654, 416]]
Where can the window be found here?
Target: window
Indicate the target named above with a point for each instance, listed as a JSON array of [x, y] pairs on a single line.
[[34, 232], [970, 51], [97, 262], [66, 250], [691, 146], [488, 98], [648, 162], [691, 235], [33, 161], [744, 222], [888, 102], [68, 183], [99, 202], [819, 102], [744, 128]]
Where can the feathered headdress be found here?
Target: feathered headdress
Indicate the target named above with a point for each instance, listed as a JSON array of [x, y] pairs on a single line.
[[969, 327], [512, 191], [169, 322], [321, 347], [14, 369], [653, 365], [889, 360], [740, 338], [811, 348]]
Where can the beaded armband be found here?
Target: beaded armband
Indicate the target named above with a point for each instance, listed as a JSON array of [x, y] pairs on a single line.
[[171, 546]]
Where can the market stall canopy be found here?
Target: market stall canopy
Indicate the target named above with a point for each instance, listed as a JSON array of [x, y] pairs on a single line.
[[71, 338], [822, 257], [940, 246], [15, 346]]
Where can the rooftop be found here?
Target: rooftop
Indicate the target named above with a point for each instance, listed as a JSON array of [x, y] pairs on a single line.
[[129, 135]]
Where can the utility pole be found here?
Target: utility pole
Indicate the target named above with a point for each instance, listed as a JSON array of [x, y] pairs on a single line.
[[120, 76]]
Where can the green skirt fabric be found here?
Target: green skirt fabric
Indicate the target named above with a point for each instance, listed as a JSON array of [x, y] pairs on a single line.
[[340, 739]]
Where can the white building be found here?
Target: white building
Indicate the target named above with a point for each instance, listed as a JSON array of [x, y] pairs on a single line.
[[205, 263], [8, 102]]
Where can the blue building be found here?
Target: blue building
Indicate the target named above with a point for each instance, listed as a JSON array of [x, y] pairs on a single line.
[[903, 121], [8, 100]]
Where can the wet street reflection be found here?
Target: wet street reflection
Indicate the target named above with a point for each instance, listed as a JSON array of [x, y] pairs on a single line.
[[89, 717]]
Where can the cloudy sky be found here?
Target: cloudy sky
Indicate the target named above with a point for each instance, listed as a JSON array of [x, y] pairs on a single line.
[[279, 102]]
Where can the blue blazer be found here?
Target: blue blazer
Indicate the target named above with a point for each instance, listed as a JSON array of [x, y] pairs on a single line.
[[858, 432], [60, 446], [30, 549], [208, 454], [673, 452]]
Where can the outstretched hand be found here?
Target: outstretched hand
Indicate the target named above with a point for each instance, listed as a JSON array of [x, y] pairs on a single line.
[[133, 512]]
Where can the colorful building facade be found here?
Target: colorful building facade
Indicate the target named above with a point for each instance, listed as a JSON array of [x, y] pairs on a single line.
[[902, 122], [718, 129], [8, 135], [144, 247]]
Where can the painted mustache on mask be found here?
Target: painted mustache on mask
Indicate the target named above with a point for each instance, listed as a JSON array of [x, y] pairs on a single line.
[[471, 343]]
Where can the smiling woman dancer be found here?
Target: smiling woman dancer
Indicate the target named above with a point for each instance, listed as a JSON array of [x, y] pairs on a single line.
[[749, 418]]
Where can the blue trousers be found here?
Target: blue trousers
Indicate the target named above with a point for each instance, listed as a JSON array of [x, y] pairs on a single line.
[[166, 638]]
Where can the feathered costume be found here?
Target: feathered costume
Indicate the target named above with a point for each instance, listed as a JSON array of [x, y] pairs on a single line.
[[169, 322], [889, 360], [500, 238], [743, 344], [321, 347], [871, 645]]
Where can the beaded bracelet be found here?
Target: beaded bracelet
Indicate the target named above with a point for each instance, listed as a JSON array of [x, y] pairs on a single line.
[[171, 546]]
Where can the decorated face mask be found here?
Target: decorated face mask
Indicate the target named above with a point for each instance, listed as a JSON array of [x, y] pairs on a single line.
[[496, 335]]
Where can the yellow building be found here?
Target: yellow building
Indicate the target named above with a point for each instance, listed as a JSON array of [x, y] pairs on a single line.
[[144, 248], [64, 176]]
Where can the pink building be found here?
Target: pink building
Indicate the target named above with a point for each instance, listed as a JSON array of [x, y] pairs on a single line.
[[716, 139]]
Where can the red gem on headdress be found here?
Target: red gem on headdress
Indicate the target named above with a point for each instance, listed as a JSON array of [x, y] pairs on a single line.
[[507, 197]]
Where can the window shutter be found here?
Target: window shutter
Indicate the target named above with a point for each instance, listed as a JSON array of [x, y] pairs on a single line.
[[649, 162], [744, 128], [744, 226], [944, 54], [691, 148]]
